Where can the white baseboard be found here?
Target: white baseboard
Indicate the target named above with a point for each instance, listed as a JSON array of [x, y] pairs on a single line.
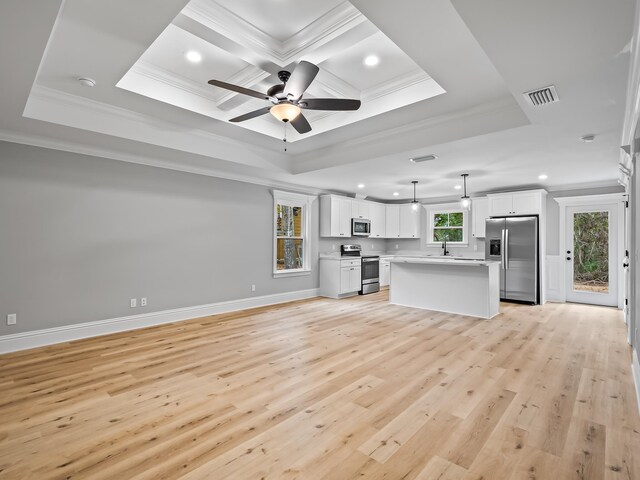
[[67, 333], [635, 370]]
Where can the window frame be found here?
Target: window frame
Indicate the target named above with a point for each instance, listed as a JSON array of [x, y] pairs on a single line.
[[292, 200], [447, 208]]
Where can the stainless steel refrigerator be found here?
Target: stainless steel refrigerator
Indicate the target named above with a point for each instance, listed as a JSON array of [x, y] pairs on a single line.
[[513, 241]]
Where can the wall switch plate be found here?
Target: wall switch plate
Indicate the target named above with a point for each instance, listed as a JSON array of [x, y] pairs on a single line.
[[475, 247], [253, 288], [12, 318], [333, 246], [396, 246], [143, 302], [133, 303]]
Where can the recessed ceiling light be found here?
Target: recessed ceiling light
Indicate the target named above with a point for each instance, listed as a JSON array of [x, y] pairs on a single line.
[[395, 194], [458, 187], [361, 185], [588, 138], [371, 61], [87, 82], [193, 56], [543, 176]]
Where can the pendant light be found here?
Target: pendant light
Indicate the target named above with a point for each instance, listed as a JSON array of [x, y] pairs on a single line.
[[414, 203], [465, 201]]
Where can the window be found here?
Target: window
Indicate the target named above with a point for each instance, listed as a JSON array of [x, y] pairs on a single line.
[[291, 226], [447, 222]]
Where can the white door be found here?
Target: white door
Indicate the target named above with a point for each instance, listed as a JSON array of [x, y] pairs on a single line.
[[591, 254]]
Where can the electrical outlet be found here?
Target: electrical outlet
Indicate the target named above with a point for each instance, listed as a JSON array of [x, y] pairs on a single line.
[[253, 288], [397, 246], [333, 246], [475, 247], [372, 245], [133, 303], [12, 318], [143, 302]]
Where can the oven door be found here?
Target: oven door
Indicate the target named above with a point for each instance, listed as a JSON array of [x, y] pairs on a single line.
[[360, 227], [370, 270]]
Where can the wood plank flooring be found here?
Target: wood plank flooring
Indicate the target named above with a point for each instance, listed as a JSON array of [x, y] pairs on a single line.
[[326, 389]]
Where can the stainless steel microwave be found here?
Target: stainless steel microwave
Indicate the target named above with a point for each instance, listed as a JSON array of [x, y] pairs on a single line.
[[360, 227]]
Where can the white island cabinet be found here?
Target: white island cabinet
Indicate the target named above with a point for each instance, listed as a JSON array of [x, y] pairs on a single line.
[[461, 286]]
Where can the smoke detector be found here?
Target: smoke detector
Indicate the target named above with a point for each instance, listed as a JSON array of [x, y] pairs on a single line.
[[542, 96], [87, 82]]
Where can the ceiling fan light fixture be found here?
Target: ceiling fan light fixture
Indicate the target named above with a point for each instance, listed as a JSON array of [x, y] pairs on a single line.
[[285, 112]]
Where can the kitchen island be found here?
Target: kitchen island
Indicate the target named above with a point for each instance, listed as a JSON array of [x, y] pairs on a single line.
[[452, 285]]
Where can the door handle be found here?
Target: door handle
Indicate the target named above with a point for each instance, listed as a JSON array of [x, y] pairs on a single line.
[[625, 265]]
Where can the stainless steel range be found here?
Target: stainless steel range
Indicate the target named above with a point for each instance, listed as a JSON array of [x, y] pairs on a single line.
[[370, 265]]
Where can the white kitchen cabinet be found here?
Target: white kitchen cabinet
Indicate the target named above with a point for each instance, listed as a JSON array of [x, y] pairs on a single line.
[[360, 209], [377, 215], [340, 277], [516, 203], [385, 272], [409, 222], [392, 224], [335, 216], [480, 213]]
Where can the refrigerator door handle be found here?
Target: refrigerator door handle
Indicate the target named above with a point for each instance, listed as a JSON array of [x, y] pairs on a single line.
[[506, 249], [502, 256]]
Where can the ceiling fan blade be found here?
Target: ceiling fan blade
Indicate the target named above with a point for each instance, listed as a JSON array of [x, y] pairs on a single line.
[[237, 89], [336, 104], [300, 79], [301, 124], [250, 115]]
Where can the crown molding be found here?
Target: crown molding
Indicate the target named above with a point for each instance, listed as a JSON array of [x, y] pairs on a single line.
[[396, 84], [329, 26], [87, 114], [150, 161]]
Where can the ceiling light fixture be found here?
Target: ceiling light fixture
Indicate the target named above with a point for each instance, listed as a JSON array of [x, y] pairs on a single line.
[[285, 111], [193, 56], [588, 138], [395, 194], [543, 176], [458, 187], [87, 82], [425, 158], [371, 60], [465, 201], [414, 203], [361, 185]]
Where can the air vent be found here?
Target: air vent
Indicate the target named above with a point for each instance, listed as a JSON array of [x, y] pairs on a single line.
[[426, 158], [542, 96]]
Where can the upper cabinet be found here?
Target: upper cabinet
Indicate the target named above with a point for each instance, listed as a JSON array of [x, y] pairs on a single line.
[[409, 222], [402, 222], [360, 209], [377, 215], [516, 203], [335, 216], [392, 224], [479, 213]]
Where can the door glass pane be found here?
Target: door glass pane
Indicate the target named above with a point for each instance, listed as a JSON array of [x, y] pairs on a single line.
[[591, 252], [289, 253]]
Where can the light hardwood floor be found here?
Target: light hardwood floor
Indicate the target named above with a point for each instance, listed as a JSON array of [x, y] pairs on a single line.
[[326, 389]]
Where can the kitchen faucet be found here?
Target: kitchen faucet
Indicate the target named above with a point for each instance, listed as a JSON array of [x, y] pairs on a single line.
[[444, 247]]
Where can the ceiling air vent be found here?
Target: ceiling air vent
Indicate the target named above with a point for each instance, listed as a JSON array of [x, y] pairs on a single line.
[[426, 158], [542, 96]]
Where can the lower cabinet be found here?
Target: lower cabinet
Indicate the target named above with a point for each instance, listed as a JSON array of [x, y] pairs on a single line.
[[340, 277], [385, 273]]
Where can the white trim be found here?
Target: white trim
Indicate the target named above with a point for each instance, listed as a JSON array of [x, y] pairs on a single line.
[[67, 333], [447, 208], [635, 370], [585, 200], [296, 200], [554, 278]]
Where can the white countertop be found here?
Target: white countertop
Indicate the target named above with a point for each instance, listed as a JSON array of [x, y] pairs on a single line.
[[458, 261]]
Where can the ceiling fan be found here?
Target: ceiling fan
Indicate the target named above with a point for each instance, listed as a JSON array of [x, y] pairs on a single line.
[[287, 98]]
